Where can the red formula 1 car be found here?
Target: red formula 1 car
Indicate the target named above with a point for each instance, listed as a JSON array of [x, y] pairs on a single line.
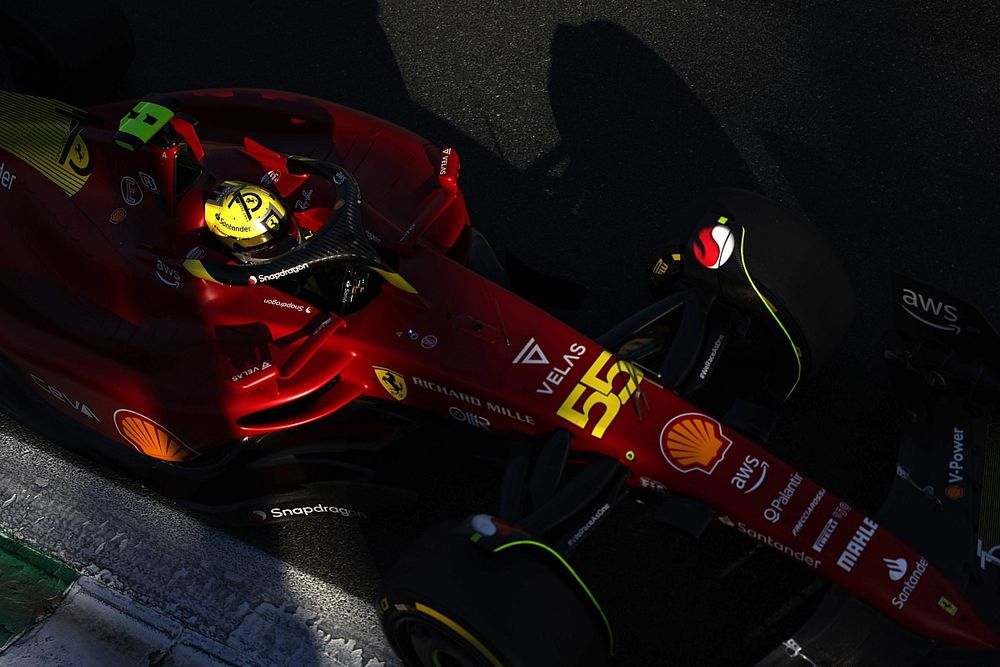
[[122, 313]]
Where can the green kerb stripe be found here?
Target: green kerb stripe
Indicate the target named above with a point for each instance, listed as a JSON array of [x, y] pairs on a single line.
[[31, 584]]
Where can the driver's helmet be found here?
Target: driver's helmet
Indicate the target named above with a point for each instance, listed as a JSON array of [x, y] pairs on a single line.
[[250, 221]]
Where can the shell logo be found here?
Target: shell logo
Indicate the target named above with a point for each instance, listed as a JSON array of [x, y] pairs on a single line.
[[693, 441], [150, 438]]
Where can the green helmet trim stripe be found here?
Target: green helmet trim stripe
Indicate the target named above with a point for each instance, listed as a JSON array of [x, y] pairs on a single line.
[[771, 309], [569, 568], [141, 124]]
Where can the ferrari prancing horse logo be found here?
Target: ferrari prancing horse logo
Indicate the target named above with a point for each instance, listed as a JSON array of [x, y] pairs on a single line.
[[391, 381]]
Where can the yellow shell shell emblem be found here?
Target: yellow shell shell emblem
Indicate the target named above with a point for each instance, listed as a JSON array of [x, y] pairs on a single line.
[[150, 438], [694, 441], [391, 381]]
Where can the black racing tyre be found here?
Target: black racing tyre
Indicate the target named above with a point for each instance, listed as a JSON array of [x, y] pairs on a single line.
[[75, 50], [763, 258], [450, 603]]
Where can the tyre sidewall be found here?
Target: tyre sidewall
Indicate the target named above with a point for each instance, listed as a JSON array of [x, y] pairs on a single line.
[[516, 603]]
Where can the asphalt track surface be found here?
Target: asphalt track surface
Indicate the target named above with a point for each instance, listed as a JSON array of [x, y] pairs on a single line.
[[582, 127]]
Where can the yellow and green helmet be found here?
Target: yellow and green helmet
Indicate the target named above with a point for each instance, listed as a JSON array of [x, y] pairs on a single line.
[[250, 221]]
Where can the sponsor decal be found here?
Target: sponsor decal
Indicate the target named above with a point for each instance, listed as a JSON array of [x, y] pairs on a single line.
[[339, 177], [726, 521], [930, 311], [509, 413], [558, 373], [374, 238], [585, 528], [532, 353], [773, 511], [270, 178], [149, 438], [660, 267], [450, 393], [265, 277], [824, 535], [391, 381], [308, 510], [429, 342], [242, 375], [596, 389], [149, 182], [118, 215], [950, 607], [410, 334], [910, 585], [956, 467], [305, 202], [197, 252], [277, 303], [839, 513], [714, 246], [79, 406], [131, 192], [443, 167], [7, 177], [706, 368], [470, 418], [241, 229], [859, 542], [258, 516], [167, 274], [954, 492], [800, 556], [897, 567], [693, 441], [808, 512], [751, 474]]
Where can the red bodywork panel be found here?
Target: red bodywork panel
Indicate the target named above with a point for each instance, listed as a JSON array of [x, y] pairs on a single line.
[[103, 322]]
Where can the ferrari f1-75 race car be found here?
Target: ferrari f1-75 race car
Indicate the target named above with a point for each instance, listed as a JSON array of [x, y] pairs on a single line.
[[128, 325]]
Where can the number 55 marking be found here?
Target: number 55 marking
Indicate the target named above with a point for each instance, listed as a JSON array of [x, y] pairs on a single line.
[[599, 392]]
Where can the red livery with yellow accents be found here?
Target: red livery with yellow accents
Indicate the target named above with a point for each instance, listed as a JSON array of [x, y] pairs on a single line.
[[124, 313]]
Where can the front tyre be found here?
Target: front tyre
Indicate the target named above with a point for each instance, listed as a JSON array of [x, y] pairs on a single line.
[[451, 603]]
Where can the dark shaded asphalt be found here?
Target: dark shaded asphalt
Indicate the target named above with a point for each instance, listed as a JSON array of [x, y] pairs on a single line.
[[582, 126]]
